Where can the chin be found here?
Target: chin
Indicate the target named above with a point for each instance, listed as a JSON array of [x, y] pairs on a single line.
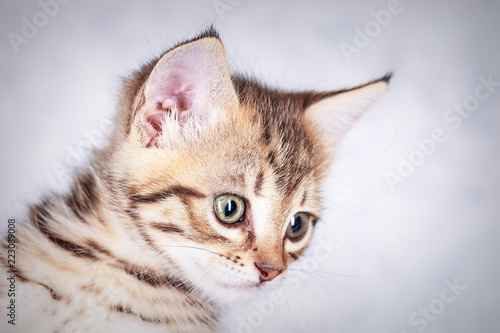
[[241, 293]]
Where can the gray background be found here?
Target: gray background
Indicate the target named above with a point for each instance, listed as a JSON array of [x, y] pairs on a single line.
[[395, 247]]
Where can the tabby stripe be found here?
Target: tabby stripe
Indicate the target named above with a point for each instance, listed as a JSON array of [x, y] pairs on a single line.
[[132, 212], [120, 308], [271, 159], [153, 279], [266, 134], [304, 197], [258, 183], [206, 232], [84, 197], [151, 320], [127, 310], [71, 247], [125, 265], [145, 236], [168, 228], [249, 241], [21, 277], [150, 278], [176, 191], [297, 253], [99, 248], [55, 296], [39, 213]]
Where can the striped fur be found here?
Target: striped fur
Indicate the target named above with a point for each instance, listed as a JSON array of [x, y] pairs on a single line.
[[135, 244]]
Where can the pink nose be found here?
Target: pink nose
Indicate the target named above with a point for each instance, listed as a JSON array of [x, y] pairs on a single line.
[[267, 273]]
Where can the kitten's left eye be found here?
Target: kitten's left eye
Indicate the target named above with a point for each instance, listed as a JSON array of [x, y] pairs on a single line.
[[297, 226], [229, 208]]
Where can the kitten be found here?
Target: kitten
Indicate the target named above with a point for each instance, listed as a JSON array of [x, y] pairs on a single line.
[[207, 191]]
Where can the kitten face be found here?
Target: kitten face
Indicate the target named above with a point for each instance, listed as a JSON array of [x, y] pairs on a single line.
[[221, 175], [176, 199]]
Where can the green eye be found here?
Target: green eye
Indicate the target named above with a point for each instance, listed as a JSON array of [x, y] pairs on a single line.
[[297, 226], [229, 208]]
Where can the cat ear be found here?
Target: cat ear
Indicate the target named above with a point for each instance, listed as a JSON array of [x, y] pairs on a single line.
[[189, 84], [335, 113]]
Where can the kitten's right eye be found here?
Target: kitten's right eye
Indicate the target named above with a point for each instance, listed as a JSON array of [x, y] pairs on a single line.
[[229, 208], [298, 226]]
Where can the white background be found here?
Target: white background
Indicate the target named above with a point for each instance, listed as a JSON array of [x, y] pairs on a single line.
[[395, 247]]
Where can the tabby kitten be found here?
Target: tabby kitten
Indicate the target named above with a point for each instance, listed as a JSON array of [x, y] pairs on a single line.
[[208, 189]]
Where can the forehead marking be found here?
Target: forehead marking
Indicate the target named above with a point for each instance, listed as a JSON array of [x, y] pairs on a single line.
[[258, 183]]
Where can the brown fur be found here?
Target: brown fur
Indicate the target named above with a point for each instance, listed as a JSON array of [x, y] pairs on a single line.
[[129, 217]]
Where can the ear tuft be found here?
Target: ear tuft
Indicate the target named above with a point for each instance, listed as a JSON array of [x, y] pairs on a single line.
[[209, 32], [336, 112]]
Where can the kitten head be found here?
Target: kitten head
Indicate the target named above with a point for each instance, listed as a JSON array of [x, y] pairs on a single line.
[[222, 176]]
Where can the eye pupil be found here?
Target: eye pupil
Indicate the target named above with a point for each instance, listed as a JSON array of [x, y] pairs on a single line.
[[297, 226], [296, 223], [230, 208]]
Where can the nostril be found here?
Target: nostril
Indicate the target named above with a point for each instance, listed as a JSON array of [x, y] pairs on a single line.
[[267, 273]]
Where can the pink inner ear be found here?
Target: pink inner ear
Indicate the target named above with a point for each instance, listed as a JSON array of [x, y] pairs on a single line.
[[181, 86], [172, 94], [177, 91]]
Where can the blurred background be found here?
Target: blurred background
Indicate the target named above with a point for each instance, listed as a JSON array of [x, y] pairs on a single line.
[[411, 222]]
